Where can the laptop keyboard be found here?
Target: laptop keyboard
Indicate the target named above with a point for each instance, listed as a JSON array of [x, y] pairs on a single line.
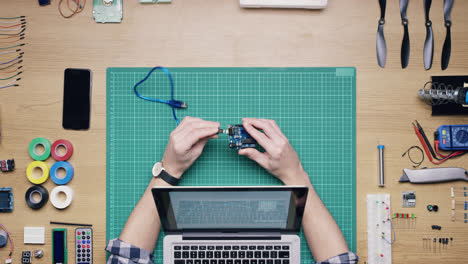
[[231, 254]]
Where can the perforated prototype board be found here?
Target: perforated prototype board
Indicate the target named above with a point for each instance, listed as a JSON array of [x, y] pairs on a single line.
[[379, 251], [315, 108]]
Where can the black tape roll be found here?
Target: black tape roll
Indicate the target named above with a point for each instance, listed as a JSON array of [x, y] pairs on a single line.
[[43, 193]]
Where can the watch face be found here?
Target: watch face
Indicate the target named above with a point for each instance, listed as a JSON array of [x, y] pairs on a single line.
[[157, 169]]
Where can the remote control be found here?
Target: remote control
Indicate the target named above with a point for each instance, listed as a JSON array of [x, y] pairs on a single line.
[[83, 246]]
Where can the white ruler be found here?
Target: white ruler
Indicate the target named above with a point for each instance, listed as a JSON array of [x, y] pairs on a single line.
[[379, 251]]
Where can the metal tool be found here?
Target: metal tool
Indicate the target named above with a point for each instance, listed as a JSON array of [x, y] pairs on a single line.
[[381, 165], [429, 43], [440, 93], [380, 45], [446, 50], [405, 44], [434, 175]]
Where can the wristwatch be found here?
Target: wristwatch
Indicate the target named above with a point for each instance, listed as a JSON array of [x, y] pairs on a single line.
[[159, 171]]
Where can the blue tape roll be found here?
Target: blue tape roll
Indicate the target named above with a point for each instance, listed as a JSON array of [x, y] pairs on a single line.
[[68, 176]]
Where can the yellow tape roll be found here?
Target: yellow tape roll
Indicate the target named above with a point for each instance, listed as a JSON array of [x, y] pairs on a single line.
[[45, 172]]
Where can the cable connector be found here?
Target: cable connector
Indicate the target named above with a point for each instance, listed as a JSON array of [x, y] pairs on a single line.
[[177, 104], [8, 261]]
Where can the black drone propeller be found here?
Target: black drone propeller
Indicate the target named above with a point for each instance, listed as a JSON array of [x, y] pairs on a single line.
[[429, 43], [448, 42], [381, 46], [405, 44]]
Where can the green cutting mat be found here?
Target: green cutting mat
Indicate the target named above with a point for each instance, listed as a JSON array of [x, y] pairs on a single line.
[[315, 108]]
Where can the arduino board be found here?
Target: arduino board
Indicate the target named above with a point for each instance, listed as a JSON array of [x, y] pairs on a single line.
[[238, 137]]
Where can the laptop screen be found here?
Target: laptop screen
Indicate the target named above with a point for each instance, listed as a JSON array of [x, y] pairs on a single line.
[[277, 208]]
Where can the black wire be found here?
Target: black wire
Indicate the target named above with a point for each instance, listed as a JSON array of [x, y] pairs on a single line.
[[428, 144], [417, 163]]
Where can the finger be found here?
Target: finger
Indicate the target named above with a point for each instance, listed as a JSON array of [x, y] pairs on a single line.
[[196, 122], [197, 149], [197, 134], [260, 137], [255, 155], [277, 129], [263, 124], [195, 125]]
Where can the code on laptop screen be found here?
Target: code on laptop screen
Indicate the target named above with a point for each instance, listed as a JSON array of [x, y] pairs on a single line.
[[194, 210]]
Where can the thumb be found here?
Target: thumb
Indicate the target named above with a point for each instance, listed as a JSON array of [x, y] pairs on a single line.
[[255, 155]]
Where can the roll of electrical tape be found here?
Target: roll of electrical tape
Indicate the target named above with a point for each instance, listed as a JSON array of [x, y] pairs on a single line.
[[33, 148], [45, 172], [56, 201], [68, 150], [68, 176], [43, 194]]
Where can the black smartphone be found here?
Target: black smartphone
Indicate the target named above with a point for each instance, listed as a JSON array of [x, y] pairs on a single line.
[[76, 99]]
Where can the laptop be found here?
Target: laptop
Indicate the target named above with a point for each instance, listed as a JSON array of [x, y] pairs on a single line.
[[231, 225], [307, 4]]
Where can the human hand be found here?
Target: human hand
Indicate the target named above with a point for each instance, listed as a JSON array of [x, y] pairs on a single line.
[[279, 158], [186, 143]]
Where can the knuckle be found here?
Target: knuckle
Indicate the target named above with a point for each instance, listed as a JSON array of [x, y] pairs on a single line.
[[172, 136]]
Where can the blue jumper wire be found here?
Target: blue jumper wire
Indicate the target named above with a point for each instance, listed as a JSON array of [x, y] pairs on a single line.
[[172, 103]]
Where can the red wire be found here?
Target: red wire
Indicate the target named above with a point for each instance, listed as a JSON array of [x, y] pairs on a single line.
[[455, 154], [12, 26], [436, 144], [11, 41]]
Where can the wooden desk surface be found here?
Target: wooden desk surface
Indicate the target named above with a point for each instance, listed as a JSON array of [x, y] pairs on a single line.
[[214, 33]]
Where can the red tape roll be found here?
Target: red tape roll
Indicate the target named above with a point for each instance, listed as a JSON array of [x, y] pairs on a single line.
[[68, 148]]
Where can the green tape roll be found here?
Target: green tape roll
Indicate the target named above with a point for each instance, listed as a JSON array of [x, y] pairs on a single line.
[[33, 148]]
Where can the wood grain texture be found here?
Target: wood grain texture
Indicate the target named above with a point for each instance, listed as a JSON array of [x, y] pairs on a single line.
[[213, 33]]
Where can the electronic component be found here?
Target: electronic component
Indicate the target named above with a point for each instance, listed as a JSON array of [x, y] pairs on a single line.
[[3, 238], [44, 2], [408, 199], [34, 235], [105, 11], [404, 215], [6, 200], [26, 257], [436, 227], [238, 137], [453, 137], [84, 245], [379, 229], [59, 246], [38, 253], [431, 208], [7, 165]]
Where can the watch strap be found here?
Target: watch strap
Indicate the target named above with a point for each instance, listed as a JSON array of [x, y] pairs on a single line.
[[168, 178]]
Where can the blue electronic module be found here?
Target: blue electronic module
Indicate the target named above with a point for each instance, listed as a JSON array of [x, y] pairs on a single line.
[[6, 200], [239, 138]]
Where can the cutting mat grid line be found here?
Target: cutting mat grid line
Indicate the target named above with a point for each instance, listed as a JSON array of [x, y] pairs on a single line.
[[315, 108]]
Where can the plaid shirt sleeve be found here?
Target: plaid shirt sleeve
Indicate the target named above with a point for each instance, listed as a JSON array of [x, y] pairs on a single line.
[[345, 258], [124, 253]]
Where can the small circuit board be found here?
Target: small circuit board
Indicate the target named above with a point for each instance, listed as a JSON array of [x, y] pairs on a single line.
[[408, 199], [238, 137]]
